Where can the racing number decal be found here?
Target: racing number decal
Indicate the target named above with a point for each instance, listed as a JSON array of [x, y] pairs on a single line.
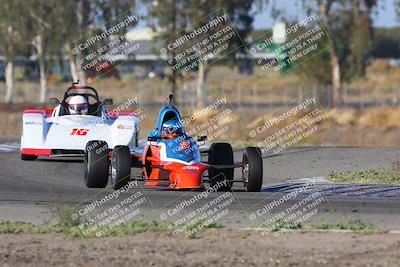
[[79, 132]]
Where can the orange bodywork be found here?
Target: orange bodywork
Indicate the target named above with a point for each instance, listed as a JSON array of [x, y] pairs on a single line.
[[178, 175]]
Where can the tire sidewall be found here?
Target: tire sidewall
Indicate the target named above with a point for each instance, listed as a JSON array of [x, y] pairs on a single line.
[[120, 167], [221, 154], [96, 164], [255, 172]]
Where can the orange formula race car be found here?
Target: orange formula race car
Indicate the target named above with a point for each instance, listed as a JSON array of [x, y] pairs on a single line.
[[172, 159]]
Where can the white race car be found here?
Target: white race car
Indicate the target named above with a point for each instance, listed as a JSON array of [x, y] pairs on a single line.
[[67, 129]]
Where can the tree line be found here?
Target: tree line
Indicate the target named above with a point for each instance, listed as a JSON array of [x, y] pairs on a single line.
[[47, 28]]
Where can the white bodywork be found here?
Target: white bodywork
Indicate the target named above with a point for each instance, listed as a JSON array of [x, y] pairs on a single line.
[[72, 132]]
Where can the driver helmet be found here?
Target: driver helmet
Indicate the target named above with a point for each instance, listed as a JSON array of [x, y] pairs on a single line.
[[78, 105], [171, 129]]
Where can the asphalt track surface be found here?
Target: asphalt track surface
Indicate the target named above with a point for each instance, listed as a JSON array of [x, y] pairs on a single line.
[[41, 190]]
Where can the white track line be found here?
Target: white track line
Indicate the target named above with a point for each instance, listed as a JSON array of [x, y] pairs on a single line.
[[10, 147]]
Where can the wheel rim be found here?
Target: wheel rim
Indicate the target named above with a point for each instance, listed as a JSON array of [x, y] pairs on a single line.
[[113, 173], [86, 167], [245, 170]]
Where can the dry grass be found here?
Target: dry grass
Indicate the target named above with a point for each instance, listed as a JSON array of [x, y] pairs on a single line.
[[381, 118], [370, 127], [10, 123], [386, 177], [378, 74]]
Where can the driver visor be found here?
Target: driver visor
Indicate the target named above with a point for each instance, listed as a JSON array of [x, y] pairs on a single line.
[[79, 107], [172, 129]]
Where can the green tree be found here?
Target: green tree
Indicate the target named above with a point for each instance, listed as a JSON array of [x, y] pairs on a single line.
[[348, 23], [361, 38], [40, 18], [13, 31], [241, 16], [171, 17], [66, 29], [327, 14], [168, 17], [56, 25], [93, 16]]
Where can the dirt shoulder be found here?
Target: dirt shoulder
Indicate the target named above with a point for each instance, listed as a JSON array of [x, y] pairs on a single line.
[[211, 248]]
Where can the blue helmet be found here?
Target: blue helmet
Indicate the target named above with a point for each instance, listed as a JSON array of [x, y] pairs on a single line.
[[171, 129]]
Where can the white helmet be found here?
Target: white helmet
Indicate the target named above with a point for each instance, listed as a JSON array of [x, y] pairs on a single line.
[[78, 105]]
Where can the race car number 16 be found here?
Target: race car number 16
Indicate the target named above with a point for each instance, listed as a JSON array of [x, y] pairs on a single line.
[[79, 132]]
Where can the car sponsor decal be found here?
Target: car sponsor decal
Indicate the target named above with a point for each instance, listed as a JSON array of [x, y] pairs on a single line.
[[33, 123], [183, 145], [125, 127]]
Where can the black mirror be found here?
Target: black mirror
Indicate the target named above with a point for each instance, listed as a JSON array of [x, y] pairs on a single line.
[[201, 138], [54, 101], [152, 138], [107, 101]]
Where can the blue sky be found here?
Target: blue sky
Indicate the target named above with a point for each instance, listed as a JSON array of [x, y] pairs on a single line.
[[384, 14]]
